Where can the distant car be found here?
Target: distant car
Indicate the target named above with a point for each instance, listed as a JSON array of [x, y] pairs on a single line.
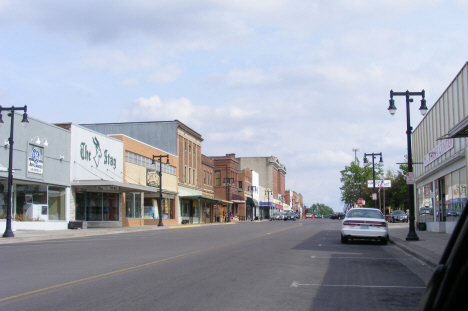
[[275, 216], [289, 216], [337, 216], [318, 216], [425, 210], [298, 215], [308, 215], [398, 216], [364, 223], [453, 212]]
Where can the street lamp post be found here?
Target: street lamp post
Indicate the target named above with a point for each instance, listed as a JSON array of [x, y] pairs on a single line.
[[373, 155], [267, 193], [253, 189], [412, 236], [8, 232], [228, 182], [160, 224]]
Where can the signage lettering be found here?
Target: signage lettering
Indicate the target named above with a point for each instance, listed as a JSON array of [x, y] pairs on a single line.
[[86, 154], [438, 151]]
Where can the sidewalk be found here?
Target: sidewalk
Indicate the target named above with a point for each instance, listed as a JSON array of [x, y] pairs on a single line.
[[43, 235], [428, 249]]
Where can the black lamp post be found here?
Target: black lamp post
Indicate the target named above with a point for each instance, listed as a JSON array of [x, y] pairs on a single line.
[[8, 232], [373, 155], [228, 182], [267, 193], [412, 236], [160, 224], [253, 189]]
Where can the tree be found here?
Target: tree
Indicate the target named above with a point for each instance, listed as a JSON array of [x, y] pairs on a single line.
[[350, 181], [396, 197], [320, 209]]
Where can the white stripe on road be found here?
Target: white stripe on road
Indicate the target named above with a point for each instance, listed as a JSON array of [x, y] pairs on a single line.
[[297, 284], [367, 258]]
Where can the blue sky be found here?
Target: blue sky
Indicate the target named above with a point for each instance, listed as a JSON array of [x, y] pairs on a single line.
[[306, 81]]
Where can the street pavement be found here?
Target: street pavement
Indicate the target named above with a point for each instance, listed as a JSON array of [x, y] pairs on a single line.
[[428, 249]]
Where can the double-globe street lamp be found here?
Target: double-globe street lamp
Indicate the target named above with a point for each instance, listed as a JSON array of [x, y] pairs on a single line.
[[8, 232], [373, 155], [253, 189], [412, 236], [159, 157], [228, 182]]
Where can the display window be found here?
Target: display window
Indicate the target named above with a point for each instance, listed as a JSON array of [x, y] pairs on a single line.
[[96, 206], [133, 205]]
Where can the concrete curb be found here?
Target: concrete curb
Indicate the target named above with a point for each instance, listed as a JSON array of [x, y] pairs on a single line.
[[430, 259]]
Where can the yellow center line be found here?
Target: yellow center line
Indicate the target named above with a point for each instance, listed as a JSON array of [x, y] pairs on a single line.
[[42, 290]]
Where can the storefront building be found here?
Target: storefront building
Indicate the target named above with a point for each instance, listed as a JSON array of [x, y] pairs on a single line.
[[271, 177], [441, 178], [141, 207], [41, 175]]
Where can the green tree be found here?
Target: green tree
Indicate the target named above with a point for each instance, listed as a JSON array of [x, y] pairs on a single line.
[[320, 209], [351, 187], [396, 197]]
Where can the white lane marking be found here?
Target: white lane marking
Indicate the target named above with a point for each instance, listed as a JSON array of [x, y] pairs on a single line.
[[296, 284], [369, 258]]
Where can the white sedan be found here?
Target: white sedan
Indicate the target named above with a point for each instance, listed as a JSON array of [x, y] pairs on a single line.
[[364, 223]]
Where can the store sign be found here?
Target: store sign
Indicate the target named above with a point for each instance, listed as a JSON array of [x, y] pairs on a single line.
[[438, 151], [152, 178], [107, 188], [36, 160], [86, 154], [387, 183]]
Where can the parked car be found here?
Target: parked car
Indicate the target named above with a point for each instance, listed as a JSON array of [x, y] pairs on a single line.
[[308, 215], [425, 210], [275, 216], [446, 288], [298, 215], [453, 212], [337, 216], [289, 216], [318, 216], [398, 216], [364, 223]]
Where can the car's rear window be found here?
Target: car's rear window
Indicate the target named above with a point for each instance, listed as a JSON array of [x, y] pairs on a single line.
[[399, 212], [364, 213]]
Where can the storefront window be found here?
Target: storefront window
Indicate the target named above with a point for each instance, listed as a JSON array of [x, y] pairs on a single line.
[[133, 205], [426, 210], [80, 206], [150, 207], [455, 207], [96, 206], [168, 208], [111, 206], [56, 203], [184, 208], [462, 190], [3, 198], [31, 203]]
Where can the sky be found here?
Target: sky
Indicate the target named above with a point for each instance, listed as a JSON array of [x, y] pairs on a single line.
[[305, 81]]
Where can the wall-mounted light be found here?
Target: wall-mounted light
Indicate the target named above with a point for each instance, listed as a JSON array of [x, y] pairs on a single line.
[[62, 157], [38, 141]]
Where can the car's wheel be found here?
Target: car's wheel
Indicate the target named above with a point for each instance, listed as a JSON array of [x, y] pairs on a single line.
[[344, 239], [383, 241]]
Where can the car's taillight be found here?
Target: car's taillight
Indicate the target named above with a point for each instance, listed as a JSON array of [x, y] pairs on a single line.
[[379, 224]]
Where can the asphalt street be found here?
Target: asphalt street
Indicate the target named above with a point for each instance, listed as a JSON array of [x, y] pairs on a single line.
[[293, 265]]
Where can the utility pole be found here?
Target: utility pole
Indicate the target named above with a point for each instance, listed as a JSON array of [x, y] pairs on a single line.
[[355, 150]]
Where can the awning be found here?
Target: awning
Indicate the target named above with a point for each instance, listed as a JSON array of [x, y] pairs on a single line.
[[202, 197], [249, 202], [237, 198], [271, 204], [458, 131], [116, 186], [279, 206]]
